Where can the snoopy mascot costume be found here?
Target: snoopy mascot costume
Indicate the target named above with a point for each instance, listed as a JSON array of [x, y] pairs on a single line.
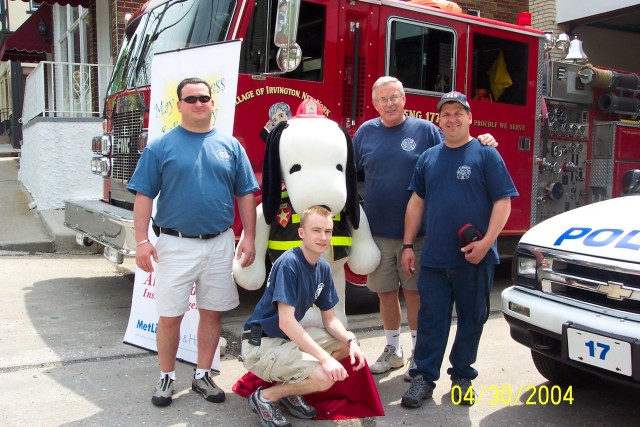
[[309, 161]]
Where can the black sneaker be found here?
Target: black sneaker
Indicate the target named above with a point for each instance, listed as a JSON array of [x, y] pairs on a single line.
[[162, 393], [208, 389], [418, 391], [268, 413], [462, 392], [298, 407]]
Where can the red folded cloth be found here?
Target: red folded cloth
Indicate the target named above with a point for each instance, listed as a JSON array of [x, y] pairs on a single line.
[[355, 397]]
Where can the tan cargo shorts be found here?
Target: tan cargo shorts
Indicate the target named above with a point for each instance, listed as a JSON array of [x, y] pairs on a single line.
[[281, 360]]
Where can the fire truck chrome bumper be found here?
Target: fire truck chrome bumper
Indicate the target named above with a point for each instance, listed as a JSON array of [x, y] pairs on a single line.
[[108, 225]]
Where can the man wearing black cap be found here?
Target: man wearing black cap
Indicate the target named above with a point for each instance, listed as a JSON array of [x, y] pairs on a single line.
[[457, 185]]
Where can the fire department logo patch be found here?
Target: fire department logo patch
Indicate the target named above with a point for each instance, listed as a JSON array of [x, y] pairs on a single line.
[[408, 144], [284, 215], [464, 172], [223, 154]]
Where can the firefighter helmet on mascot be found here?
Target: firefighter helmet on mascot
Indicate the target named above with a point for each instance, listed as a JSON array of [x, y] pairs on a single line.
[[309, 161]]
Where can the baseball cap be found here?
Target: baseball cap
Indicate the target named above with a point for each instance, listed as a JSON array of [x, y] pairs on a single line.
[[454, 97]]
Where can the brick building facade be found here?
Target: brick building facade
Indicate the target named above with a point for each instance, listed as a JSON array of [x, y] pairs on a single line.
[[501, 10], [119, 10]]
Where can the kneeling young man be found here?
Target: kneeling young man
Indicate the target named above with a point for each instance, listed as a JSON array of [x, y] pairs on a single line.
[[276, 348]]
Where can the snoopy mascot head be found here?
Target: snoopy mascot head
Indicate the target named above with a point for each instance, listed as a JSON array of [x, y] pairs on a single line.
[[309, 161]]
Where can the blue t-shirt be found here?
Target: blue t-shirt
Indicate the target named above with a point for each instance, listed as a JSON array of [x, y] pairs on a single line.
[[197, 176], [459, 186], [388, 155], [297, 283]]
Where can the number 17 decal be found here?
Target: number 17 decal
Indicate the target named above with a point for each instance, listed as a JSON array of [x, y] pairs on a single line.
[[594, 347]]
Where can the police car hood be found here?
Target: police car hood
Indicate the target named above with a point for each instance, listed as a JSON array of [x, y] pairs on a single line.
[[608, 229]]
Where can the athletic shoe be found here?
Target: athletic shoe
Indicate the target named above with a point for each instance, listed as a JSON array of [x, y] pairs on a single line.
[[418, 391], [462, 392], [388, 360], [412, 365], [208, 389], [268, 413], [298, 407], [162, 393]]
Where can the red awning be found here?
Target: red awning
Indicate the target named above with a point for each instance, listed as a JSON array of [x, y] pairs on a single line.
[[74, 3], [26, 44]]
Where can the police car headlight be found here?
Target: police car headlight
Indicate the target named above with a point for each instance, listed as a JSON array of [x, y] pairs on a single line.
[[525, 269]]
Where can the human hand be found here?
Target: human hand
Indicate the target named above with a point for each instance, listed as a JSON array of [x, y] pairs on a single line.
[[246, 252], [144, 253], [408, 261], [487, 139], [475, 252], [356, 353], [334, 370]]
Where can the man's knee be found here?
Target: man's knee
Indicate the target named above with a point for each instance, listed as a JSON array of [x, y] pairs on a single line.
[[341, 351], [320, 379]]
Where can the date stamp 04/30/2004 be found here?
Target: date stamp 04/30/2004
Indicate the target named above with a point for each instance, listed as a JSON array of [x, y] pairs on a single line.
[[507, 395]]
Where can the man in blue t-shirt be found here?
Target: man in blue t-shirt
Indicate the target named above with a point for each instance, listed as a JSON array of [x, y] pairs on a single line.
[[455, 184], [276, 348], [196, 171], [386, 149]]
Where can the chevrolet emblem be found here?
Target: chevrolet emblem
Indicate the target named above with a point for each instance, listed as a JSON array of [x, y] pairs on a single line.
[[615, 290]]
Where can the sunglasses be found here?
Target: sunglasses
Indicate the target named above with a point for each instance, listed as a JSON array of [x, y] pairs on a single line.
[[193, 99]]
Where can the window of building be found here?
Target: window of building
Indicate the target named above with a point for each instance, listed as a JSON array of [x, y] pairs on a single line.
[[73, 73], [34, 5], [421, 56]]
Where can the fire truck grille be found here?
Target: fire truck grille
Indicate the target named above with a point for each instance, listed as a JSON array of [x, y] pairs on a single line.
[[591, 281], [126, 128]]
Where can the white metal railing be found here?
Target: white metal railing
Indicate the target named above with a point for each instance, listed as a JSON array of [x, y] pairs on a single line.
[[65, 89]]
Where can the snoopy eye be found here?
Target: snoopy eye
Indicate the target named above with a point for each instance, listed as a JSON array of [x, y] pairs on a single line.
[[339, 167], [295, 168]]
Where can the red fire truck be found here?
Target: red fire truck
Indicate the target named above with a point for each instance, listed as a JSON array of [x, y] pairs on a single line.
[[561, 150]]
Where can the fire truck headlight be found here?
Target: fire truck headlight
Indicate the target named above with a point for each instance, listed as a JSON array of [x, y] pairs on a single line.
[[101, 145], [101, 166], [524, 270]]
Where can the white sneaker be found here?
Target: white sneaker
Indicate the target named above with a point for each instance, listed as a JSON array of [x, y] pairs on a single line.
[[412, 365], [388, 360]]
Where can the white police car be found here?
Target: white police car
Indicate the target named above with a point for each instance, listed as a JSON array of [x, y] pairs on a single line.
[[575, 299]]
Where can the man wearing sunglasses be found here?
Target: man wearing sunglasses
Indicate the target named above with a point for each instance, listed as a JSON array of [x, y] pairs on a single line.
[[196, 171]]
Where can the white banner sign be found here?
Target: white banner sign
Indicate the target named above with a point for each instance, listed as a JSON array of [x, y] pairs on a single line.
[[217, 64]]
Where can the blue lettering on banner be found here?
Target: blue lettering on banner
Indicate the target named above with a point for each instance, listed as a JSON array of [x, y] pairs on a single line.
[[148, 327], [601, 237]]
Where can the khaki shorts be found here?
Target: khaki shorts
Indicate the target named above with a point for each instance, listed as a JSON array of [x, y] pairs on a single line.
[[389, 275], [281, 360], [207, 263]]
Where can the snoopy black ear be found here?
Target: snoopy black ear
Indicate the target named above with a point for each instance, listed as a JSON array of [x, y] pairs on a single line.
[[352, 207], [271, 174]]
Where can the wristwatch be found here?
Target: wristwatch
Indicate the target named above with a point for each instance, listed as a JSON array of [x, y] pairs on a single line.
[[351, 340], [407, 246]]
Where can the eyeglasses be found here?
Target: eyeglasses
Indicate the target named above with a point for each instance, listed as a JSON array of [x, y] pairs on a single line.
[[193, 99], [394, 100]]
